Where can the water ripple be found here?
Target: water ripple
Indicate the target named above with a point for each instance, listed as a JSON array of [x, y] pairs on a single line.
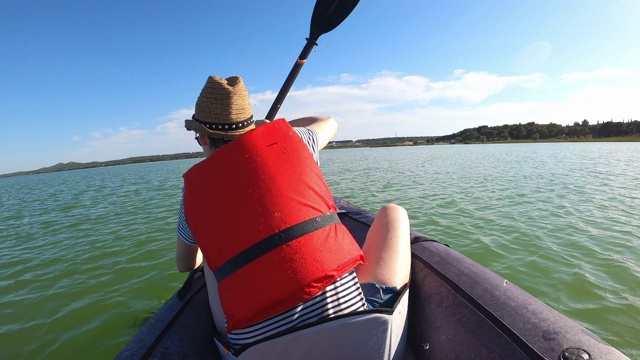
[[558, 220], [94, 258]]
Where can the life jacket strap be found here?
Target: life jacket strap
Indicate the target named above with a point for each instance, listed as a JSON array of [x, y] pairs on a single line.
[[272, 242]]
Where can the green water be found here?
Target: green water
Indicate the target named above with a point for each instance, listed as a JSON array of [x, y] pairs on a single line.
[[87, 255]]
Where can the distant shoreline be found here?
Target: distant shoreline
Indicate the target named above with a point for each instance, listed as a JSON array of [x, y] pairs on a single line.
[[388, 143], [347, 144], [132, 160]]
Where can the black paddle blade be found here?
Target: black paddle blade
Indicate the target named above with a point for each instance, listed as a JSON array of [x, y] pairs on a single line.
[[328, 14]]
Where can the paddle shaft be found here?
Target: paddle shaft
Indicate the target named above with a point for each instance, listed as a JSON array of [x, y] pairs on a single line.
[[288, 83], [327, 15]]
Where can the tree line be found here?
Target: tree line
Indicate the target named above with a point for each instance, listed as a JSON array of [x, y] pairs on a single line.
[[533, 131]]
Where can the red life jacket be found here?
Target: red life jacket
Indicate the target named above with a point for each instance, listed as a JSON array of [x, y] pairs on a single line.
[[266, 223]]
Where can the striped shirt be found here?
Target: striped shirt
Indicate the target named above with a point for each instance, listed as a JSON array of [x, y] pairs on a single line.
[[343, 296]]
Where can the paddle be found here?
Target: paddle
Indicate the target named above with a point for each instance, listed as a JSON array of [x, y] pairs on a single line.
[[327, 15]]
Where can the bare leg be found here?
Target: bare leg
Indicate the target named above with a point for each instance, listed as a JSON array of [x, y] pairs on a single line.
[[387, 248]]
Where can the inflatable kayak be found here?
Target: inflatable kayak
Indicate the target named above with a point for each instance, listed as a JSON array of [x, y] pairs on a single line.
[[457, 309]]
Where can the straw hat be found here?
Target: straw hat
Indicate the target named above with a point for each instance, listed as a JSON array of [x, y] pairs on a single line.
[[223, 109]]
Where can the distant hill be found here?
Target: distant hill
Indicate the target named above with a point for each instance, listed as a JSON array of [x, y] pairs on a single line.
[[396, 141], [132, 160]]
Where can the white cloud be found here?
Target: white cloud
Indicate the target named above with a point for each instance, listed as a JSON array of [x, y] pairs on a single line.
[[392, 90], [179, 115], [99, 134], [342, 79], [475, 87], [607, 102], [606, 74], [390, 104], [166, 138]]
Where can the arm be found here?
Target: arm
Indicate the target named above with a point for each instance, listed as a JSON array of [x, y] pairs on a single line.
[[188, 257], [188, 254], [325, 126]]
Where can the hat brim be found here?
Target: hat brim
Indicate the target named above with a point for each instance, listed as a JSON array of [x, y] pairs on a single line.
[[225, 135]]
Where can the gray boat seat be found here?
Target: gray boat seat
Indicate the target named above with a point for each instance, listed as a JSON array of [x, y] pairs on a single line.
[[371, 334]]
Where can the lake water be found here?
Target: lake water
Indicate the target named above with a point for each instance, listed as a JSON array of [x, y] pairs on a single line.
[[87, 255]]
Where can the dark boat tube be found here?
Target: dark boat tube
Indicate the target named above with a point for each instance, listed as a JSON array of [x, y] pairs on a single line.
[[458, 309]]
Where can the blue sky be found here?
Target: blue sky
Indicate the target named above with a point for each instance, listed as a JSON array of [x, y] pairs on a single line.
[[102, 80]]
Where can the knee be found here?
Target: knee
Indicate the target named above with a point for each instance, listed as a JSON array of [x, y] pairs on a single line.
[[393, 211]]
